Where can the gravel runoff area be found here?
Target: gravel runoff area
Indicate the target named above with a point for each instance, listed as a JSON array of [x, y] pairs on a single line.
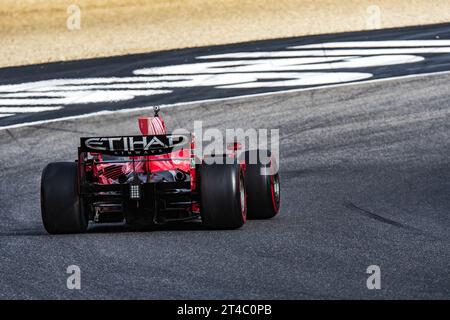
[[36, 31]]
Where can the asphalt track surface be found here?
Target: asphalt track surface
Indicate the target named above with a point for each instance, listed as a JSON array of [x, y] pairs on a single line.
[[365, 181]]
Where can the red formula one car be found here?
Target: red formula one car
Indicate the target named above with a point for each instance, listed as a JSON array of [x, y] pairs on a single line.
[[155, 178]]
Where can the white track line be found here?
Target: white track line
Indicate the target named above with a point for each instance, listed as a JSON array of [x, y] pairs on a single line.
[[27, 109], [148, 108], [378, 44], [325, 53]]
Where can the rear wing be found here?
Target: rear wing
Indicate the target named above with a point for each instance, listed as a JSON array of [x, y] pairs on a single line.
[[135, 145]]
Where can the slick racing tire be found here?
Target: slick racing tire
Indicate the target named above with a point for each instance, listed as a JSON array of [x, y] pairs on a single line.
[[61, 206], [223, 195], [262, 183]]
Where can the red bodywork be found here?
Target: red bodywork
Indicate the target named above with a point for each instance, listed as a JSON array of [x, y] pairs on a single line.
[[178, 160]]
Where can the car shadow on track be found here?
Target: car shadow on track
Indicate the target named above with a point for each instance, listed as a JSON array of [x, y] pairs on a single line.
[[14, 232], [113, 228]]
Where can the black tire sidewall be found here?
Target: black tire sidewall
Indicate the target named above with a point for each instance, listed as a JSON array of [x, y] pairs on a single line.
[[220, 195], [61, 206], [259, 186]]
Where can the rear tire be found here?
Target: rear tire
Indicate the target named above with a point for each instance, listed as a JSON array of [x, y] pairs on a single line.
[[223, 195], [61, 205], [263, 190]]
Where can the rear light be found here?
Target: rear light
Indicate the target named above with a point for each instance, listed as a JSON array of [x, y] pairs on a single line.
[[135, 192]]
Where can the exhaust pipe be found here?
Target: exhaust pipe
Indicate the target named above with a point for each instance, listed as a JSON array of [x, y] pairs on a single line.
[[180, 176]]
